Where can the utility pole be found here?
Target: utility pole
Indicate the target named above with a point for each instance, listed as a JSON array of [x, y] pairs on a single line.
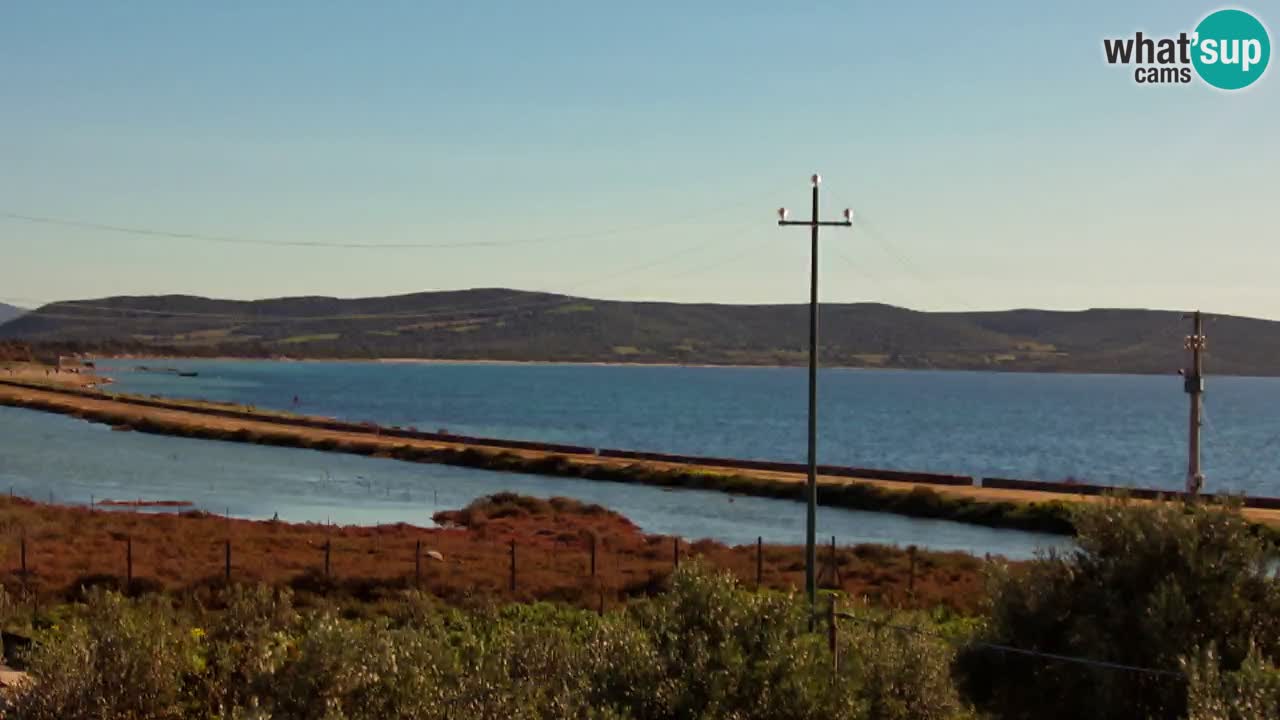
[[811, 489], [1193, 384]]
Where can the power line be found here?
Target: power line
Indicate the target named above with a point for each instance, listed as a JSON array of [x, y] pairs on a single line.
[[740, 254], [460, 314], [1072, 659], [912, 268], [856, 268], [182, 235]]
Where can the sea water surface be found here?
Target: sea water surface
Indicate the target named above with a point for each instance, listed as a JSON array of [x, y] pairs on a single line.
[[1114, 429], [51, 457]]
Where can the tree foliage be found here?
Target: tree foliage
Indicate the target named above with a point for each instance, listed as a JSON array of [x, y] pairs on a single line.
[[705, 649], [1148, 585]]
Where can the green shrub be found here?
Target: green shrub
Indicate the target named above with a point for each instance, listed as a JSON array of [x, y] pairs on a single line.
[[1148, 585], [710, 648], [900, 675], [117, 659], [705, 649], [1250, 693], [242, 647]]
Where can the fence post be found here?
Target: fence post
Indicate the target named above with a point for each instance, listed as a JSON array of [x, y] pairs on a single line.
[[835, 566], [417, 563], [832, 635], [513, 565], [593, 555], [675, 553], [328, 547], [128, 560], [759, 561], [911, 576], [227, 567]]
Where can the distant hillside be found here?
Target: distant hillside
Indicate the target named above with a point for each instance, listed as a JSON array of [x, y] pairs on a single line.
[[515, 325], [9, 312]]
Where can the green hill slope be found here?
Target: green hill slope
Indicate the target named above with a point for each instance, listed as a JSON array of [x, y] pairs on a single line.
[[515, 325]]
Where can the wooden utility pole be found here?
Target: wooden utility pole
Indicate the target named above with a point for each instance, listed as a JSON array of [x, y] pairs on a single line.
[[811, 488], [1193, 384]]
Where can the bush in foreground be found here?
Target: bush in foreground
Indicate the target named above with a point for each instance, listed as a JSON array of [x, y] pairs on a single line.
[[1183, 590], [1250, 693], [704, 649], [1149, 585]]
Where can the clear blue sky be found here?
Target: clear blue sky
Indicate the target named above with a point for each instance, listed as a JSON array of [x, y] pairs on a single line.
[[999, 160]]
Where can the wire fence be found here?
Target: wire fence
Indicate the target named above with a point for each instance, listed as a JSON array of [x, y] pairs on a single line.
[[835, 616], [51, 552], [596, 571], [43, 558]]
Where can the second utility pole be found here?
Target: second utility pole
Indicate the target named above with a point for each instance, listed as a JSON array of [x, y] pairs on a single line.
[[811, 489], [1193, 383]]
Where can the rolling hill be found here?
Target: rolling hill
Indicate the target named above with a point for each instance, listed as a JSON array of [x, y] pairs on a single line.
[[9, 312], [504, 324]]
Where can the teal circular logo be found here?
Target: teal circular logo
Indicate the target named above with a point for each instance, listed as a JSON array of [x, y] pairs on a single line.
[[1232, 49]]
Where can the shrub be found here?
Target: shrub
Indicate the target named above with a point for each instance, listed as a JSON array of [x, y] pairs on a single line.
[[900, 674], [708, 648], [1148, 584], [704, 649], [115, 660], [1250, 693], [242, 647]]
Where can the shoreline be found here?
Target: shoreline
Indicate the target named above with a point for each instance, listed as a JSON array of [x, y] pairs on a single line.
[[481, 361], [611, 363], [1016, 509]]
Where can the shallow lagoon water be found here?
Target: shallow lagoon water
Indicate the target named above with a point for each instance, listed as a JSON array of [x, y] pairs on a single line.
[[55, 457]]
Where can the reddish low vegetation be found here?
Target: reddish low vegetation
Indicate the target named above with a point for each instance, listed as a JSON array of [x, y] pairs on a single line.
[[12, 351], [467, 560]]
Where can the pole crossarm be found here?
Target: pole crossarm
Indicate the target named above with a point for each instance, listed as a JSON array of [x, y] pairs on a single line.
[[820, 223]]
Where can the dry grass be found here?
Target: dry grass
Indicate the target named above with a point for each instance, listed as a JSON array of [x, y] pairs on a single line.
[[72, 547]]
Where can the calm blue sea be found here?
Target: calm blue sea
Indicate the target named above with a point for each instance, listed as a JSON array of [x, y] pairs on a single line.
[[1119, 429]]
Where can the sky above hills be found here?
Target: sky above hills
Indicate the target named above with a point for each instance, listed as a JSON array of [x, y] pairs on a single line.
[[630, 151]]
